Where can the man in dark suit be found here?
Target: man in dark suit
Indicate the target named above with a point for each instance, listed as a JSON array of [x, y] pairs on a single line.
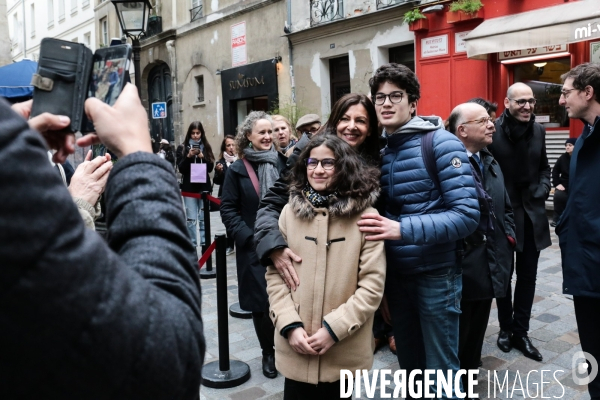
[[520, 149], [487, 257]]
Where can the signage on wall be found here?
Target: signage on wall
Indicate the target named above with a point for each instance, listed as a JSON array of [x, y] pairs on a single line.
[[243, 81], [159, 110], [460, 46], [238, 44], [434, 46], [534, 51]]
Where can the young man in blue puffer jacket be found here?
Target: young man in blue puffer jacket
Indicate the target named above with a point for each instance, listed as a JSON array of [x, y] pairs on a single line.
[[421, 226]]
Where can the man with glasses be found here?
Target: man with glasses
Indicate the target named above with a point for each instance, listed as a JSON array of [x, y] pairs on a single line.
[[519, 146], [579, 226], [308, 124], [421, 224], [488, 256]]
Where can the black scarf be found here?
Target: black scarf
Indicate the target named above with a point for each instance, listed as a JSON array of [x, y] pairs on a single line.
[[315, 198], [520, 133]]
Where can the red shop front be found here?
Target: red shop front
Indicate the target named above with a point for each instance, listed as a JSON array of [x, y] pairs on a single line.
[[459, 57]]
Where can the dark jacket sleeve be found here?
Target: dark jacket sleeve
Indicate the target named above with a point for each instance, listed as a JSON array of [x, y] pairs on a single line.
[[266, 228], [544, 165], [80, 319], [230, 205], [220, 176], [509, 217]]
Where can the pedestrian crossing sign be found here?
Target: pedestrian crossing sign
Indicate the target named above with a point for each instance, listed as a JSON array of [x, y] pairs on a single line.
[[159, 110]]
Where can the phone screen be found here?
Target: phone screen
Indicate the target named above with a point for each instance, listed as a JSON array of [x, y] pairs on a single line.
[[107, 77]]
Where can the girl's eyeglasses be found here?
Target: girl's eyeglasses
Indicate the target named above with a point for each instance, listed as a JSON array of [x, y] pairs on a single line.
[[326, 163]]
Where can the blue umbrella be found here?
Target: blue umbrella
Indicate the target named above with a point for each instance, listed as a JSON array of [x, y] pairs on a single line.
[[15, 79]]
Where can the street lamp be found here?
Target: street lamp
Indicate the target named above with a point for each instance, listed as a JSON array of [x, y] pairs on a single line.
[[133, 17]]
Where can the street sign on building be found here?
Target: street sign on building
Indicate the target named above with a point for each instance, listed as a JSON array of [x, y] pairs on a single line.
[[159, 110], [238, 44]]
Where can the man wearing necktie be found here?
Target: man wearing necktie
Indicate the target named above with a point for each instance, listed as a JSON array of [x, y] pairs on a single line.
[[487, 258]]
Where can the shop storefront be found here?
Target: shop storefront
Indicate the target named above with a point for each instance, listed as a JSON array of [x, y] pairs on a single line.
[[251, 87]]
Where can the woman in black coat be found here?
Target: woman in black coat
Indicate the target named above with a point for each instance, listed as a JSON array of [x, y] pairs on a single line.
[[259, 162], [228, 157], [195, 149]]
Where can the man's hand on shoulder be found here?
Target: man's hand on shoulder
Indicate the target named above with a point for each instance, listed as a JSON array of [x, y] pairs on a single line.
[[379, 227], [283, 259]]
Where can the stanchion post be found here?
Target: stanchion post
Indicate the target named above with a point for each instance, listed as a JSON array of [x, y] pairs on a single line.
[[225, 373], [206, 273]]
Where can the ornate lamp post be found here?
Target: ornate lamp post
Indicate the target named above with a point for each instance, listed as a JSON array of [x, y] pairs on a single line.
[[133, 17]]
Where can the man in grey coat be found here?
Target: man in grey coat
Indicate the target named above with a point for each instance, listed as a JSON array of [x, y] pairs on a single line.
[[519, 146], [80, 318], [487, 256]]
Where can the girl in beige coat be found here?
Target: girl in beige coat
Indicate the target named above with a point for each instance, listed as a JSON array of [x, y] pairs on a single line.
[[326, 324]]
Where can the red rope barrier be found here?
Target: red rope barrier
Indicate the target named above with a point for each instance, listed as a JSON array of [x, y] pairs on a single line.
[[205, 256], [215, 200]]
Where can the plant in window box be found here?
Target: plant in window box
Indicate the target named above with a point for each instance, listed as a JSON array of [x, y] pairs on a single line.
[[416, 20], [464, 10]]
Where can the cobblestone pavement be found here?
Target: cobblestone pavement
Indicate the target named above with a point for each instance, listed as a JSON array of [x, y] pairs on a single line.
[[552, 330]]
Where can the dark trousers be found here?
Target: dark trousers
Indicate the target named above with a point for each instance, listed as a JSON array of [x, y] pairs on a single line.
[[560, 202], [586, 311], [471, 332], [294, 390], [265, 331], [514, 315]]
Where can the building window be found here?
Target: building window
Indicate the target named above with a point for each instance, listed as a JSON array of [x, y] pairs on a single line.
[[104, 31], [200, 88], [196, 11], [404, 55], [32, 19], [73, 6], [389, 3], [544, 79], [322, 11], [50, 13], [15, 31], [85, 3], [87, 39], [339, 77], [61, 10]]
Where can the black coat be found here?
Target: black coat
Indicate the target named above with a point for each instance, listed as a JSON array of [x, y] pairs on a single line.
[[486, 266], [560, 172], [239, 203], [81, 318], [184, 164], [578, 227], [219, 177], [531, 199]]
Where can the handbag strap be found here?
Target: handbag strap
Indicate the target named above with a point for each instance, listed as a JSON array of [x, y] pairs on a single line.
[[252, 175]]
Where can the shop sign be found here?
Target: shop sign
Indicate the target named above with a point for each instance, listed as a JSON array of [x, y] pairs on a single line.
[[534, 51], [460, 46], [540, 119], [583, 31], [238, 44], [434, 46], [244, 82]]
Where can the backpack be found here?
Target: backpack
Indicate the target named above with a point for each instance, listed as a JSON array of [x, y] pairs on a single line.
[[486, 204]]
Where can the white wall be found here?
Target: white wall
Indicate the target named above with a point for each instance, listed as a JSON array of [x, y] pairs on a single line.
[[76, 23]]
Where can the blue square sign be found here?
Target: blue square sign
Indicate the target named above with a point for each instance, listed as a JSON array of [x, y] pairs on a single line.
[[159, 110]]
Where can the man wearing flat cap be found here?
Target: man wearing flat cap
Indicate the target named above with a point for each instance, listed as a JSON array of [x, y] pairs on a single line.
[[309, 124]]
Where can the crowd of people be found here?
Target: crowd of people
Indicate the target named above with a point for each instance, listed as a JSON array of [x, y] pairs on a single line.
[[377, 211]]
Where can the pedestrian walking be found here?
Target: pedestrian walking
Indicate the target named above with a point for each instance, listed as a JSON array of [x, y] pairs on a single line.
[[577, 229], [326, 325], [560, 180], [195, 160], [247, 180], [519, 146]]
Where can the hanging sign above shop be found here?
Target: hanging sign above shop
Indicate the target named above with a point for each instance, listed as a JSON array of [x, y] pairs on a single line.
[[536, 51], [434, 46]]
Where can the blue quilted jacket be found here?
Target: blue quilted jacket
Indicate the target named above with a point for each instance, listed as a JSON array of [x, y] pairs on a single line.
[[430, 222]]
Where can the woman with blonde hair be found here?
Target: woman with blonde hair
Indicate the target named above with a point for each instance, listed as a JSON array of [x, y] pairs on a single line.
[[282, 132]]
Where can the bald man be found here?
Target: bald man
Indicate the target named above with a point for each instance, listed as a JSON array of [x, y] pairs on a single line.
[[519, 146], [487, 258]]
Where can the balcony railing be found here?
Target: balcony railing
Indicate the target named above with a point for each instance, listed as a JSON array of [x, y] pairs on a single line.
[[381, 4], [322, 11], [196, 13]]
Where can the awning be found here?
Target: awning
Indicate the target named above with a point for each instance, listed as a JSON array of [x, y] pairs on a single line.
[[15, 79], [565, 23]]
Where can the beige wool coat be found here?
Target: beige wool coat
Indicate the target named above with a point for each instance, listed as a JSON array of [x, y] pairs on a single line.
[[342, 279]]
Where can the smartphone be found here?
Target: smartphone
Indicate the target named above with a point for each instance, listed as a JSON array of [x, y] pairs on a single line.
[[195, 146], [109, 68]]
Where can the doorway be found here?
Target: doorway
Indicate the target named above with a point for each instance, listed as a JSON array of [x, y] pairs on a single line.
[[159, 90]]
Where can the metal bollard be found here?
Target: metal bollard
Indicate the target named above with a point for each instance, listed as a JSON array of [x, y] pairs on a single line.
[[224, 373], [208, 272]]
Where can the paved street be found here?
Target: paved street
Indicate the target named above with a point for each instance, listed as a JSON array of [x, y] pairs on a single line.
[[553, 332]]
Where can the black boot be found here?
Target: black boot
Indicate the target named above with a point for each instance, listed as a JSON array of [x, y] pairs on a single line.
[[268, 366], [265, 331]]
